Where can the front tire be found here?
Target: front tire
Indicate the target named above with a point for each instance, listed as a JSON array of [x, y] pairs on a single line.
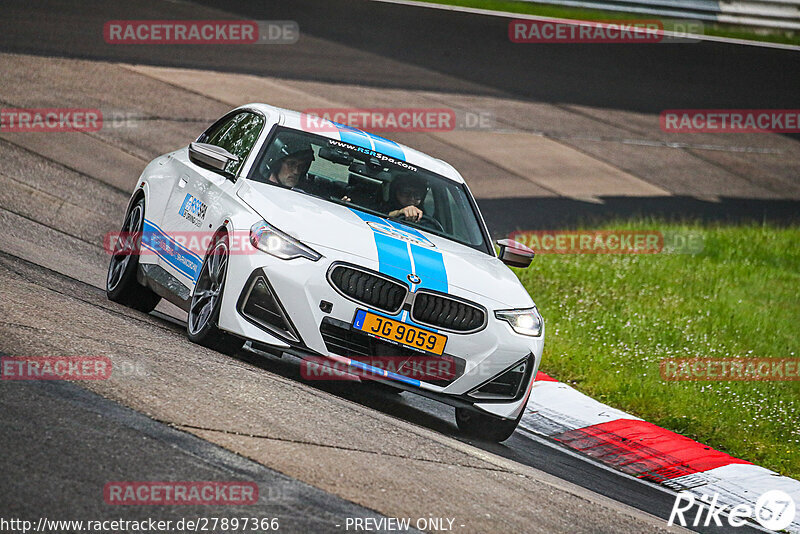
[[121, 283], [207, 300], [485, 426]]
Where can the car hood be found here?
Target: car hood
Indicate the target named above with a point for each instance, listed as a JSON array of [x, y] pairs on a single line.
[[395, 249]]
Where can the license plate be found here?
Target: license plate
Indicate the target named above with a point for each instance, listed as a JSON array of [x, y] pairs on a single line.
[[410, 336]]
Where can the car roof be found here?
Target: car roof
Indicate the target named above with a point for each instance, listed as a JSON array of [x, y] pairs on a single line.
[[355, 136]]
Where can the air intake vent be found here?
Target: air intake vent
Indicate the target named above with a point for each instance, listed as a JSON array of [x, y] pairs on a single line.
[[259, 305], [506, 386], [369, 289], [444, 312]]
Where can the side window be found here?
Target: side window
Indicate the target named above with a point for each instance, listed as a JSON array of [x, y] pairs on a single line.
[[237, 135], [455, 209]]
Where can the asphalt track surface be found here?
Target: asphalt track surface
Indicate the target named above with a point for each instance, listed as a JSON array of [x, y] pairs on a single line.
[[601, 100], [89, 441], [472, 51], [341, 450]]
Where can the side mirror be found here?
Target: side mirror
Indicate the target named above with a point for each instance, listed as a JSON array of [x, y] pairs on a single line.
[[514, 254], [212, 157]]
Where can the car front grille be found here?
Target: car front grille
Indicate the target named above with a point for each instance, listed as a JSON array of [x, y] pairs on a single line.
[[444, 312], [342, 340], [387, 294], [369, 289]]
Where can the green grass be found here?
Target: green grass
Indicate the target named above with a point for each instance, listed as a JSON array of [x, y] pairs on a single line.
[[611, 319], [715, 29]]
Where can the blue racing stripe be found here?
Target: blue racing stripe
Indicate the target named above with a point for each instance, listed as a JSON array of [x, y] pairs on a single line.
[[428, 262], [393, 257], [409, 230], [171, 251], [165, 234], [353, 136], [357, 137], [390, 148], [377, 371], [429, 266]]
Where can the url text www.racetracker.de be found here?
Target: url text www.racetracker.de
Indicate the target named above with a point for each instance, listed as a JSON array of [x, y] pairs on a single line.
[[224, 524]]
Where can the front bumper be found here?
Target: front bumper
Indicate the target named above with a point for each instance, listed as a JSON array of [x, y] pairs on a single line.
[[316, 323]]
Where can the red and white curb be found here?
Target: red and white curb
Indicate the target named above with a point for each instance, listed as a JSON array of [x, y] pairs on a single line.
[[646, 451]]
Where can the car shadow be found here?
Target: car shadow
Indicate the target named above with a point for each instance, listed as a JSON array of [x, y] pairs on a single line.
[[383, 398]]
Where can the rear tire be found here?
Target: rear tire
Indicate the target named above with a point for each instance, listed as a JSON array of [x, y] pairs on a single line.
[[485, 426], [206, 301], [121, 283]]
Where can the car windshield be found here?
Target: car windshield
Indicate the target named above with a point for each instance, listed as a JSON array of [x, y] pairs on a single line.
[[370, 181]]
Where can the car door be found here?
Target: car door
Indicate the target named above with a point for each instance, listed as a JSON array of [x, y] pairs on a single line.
[[202, 197]]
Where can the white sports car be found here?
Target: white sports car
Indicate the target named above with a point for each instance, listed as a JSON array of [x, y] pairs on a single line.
[[309, 238]]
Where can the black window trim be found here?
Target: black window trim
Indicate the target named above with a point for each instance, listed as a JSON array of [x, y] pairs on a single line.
[[232, 113]]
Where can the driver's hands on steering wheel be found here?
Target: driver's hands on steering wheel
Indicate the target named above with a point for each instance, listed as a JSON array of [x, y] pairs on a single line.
[[411, 213]]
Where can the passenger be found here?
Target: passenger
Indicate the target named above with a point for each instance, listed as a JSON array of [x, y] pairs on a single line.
[[406, 197]]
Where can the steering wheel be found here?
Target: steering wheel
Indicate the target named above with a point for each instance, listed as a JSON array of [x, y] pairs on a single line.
[[431, 222]]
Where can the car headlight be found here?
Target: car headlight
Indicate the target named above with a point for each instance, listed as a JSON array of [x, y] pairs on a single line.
[[526, 322], [269, 239]]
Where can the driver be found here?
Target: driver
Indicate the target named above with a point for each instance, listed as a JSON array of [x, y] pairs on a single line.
[[291, 163], [407, 194]]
